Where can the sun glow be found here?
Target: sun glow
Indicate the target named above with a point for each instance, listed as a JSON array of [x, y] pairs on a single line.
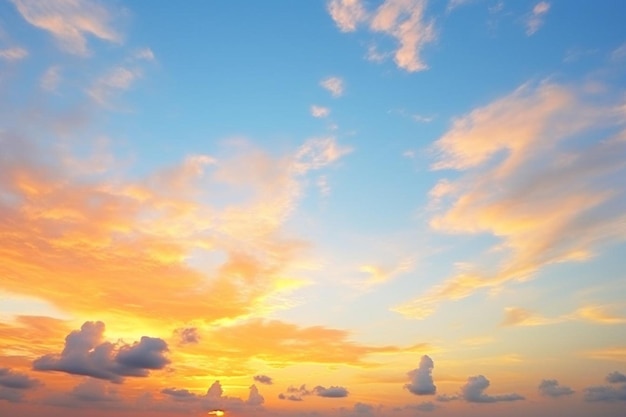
[[216, 412]]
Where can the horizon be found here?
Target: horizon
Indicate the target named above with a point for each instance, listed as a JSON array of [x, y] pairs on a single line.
[[329, 208]]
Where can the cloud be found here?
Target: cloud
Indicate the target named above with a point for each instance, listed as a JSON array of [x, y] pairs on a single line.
[[551, 388], [473, 392], [334, 85], [605, 394], [617, 353], [422, 379], [319, 111], [598, 314], [535, 19], [13, 54], [254, 398], [70, 22], [445, 398], [116, 80], [318, 152], [85, 353], [616, 378], [515, 316], [92, 390], [182, 395], [402, 20], [214, 399], [330, 392], [17, 380], [381, 274], [426, 406], [263, 379], [189, 335], [347, 14], [557, 201], [363, 408]]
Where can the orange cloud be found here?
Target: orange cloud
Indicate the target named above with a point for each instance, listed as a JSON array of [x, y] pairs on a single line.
[[530, 183]]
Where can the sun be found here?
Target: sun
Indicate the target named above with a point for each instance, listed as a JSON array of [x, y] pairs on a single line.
[[217, 412]]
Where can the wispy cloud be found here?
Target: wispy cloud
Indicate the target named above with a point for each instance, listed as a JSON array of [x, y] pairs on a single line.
[[402, 20], [51, 78], [13, 54], [70, 21], [334, 85], [552, 204], [536, 17]]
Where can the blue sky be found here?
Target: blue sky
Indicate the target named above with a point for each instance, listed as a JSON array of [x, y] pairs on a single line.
[[342, 207]]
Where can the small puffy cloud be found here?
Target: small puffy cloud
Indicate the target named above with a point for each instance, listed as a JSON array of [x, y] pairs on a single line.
[[330, 392], [535, 18], [551, 388], [85, 353], [70, 22], [422, 379], [263, 379], [334, 85], [215, 399], [473, 392], [616, 378], [187, 336], [13, 54], [445, 398], [319, 111], [16, 380], [347, 14]]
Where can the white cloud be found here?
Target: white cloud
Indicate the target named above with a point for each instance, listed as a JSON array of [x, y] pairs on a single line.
[[334, 85], [13, 54], [402, 20], [319, 111], [70, 21], [116, 80], [347, 14], [536, 17]]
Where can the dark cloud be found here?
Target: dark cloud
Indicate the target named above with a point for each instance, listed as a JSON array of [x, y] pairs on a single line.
[[187, 336], [362, 408], [445, 398], [263, 379], [85, 353], [11, 395], [472, 392], [605, 394], [331, 392], [16, 380], [421, 378], [216, 400], [616, 378], [142, 356], [95, 391], [296, 393], [180, 394], [551, 388]]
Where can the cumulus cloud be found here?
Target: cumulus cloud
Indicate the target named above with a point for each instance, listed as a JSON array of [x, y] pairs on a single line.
[[334, 85], [85, 353], [16, 380], [473, 392], [319, 111], [616, 378], [330, 392], [363, 408], [605, 394], [402, 20], [263, 379], [254, 397], [70, 21], [558, 198], [422, 379], [536, 17], [181, 395], [551, 388], [13, 54]]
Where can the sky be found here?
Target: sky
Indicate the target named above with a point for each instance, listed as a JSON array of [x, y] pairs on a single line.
[[320, 208]]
